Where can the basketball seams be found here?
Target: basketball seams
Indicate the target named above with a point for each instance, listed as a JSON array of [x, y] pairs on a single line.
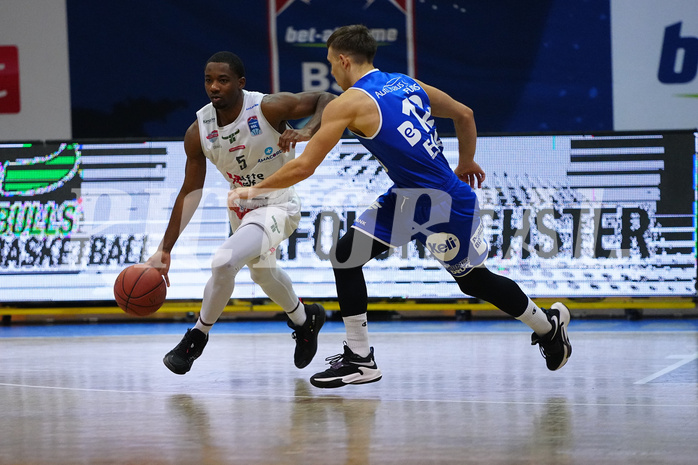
[[135, 283], [122, 297]]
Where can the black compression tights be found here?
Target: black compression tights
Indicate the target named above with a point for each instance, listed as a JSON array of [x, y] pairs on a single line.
[[353, 250], [498, 290]]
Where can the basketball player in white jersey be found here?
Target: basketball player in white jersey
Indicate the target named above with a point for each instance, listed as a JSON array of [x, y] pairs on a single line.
[[246, 136]]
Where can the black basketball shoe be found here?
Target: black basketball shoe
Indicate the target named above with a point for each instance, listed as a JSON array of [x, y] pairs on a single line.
[[306, 335], [180, 359], [347, 368], [555, 346]]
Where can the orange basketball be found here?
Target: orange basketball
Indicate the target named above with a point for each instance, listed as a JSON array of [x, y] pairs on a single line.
[[140, 290]]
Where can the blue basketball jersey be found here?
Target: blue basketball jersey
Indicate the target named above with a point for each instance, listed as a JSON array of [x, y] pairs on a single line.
[[406, 143], [428, 202]]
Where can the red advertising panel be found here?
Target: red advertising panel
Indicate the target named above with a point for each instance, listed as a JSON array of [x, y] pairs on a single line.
[[9, 79]]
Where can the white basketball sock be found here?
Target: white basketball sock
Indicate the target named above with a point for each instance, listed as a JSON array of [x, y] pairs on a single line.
[[357, 334], [297, 315], [536, 319], [203, 326]]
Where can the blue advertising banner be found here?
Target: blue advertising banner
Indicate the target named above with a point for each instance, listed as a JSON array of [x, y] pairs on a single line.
[[299, 29], [521, 66]]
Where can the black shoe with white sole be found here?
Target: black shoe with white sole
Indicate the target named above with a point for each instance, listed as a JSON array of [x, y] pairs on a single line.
[[347, 368], [555, 346]]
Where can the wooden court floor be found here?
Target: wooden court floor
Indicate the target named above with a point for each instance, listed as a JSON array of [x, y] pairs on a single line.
[[451, 393]]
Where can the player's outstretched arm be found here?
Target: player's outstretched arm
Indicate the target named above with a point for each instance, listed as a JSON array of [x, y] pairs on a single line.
[[187, 200], [335, 120]]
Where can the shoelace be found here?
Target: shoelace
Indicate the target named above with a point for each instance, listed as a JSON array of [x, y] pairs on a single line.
[[543, 350], [335, 360], [294, 335]]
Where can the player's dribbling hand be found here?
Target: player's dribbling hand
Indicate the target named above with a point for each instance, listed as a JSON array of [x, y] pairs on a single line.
[[471, 174], [161, 262]]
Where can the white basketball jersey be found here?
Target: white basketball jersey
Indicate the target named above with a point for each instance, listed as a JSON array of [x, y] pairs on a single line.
[[245, 151]]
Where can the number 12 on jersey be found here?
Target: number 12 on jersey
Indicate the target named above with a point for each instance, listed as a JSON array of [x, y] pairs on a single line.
[[413, 135]]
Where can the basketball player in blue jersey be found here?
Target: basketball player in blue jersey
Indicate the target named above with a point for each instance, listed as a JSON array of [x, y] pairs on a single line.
[[393, 116], [246, 136]]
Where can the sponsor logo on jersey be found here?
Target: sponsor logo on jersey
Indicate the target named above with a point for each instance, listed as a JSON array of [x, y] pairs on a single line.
[[269, 155], [210, 120], [249, 108], [253, 124], [478, 239], [212, 135], [231, 137], [394, 85], [237, 147], [245, 180], [443, 246], [275, 227]]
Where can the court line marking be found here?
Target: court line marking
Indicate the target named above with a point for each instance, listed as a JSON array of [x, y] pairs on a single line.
[[336, 397], [684, 359], [525, 330]]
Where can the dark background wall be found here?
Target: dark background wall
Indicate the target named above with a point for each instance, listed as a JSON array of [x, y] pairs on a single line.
[[136, 67]]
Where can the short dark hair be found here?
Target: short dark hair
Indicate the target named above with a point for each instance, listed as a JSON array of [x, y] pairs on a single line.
[[232, 59], [355, 40]]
